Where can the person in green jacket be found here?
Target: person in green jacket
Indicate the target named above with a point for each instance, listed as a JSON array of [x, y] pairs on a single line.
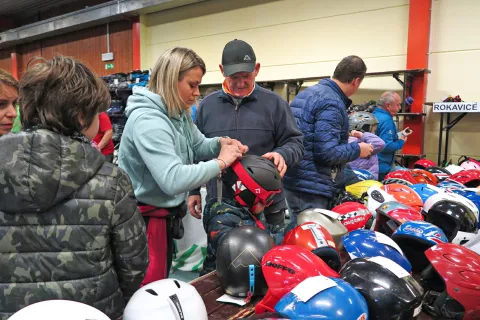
[[159, 146], [8, 102]]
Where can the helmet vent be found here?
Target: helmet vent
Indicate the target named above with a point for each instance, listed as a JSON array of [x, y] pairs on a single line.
[[178, 284], [250, 170], [152, 292]]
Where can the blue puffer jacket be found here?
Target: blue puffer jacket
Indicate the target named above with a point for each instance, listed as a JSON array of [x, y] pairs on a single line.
[[387, 131], [321, 115]]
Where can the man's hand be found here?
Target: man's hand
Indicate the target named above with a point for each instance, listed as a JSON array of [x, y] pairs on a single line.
[[278, 161], [366, 149], [228, 141], [404, 138], [356, 134], [195, 206]]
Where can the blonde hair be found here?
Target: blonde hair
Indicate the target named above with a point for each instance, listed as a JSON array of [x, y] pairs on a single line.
[[168, 71], [6, 79]]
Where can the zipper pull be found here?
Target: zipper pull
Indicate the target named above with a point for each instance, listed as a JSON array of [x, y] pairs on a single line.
[[236, 107]]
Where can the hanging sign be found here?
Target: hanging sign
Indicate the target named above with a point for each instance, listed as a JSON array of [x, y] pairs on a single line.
[[456, 107]]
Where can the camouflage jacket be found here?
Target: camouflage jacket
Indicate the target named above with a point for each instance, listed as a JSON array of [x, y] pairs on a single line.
[[69, 225]]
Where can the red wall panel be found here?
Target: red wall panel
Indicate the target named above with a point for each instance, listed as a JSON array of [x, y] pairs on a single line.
[[5, 62]]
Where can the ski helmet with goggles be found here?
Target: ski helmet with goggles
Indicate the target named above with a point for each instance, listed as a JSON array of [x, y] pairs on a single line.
[[328, 219], [59, 310], [390, 291], [317, 239], [258, 181], [469, 178], [429, 178], [401, 174], [284, 267], [452, 281], [362, 121], [440, 173], [168, 299], [452, 213], [425, 191], [239, 255], [405, 195], [453, 169], [359, 189], [367, 243], [376, 197], [397, 180], [424, 163], [414, 237], [332, 297], [391, 215], [354, 215], [363, 174]]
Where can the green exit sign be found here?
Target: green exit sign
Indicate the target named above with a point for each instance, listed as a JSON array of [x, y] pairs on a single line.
[[108, 66]]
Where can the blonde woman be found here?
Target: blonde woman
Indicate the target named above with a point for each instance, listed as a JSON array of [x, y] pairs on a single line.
[[158, 149]]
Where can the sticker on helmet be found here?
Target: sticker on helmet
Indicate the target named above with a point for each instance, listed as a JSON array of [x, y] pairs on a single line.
[[362, 317], [311, 286], [390, 265], [381, 238]]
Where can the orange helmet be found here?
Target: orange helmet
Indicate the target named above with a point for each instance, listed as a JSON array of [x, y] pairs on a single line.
[[428, 177], [405, 195]]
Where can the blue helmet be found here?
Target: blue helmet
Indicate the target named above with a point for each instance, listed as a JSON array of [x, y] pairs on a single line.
[[470, 194], [364, 175], [334, 297], [366, 244], [450, 185], [425, 191]]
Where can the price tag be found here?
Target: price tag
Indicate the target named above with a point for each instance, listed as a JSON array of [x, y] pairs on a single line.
[[381, 238], [311, 286], [390, 265], [316, 233]]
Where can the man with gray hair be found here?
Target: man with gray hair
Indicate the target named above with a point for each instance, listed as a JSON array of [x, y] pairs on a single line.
[[389, 105]]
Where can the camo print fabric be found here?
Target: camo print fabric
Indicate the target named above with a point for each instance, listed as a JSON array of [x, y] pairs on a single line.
[[69, 225], [219, 218]]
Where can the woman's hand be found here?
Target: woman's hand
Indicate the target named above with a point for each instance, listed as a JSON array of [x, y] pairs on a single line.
[[228, 141], [228, 155]]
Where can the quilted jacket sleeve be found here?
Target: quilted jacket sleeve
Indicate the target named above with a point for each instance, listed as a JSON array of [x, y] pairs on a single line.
[[129, 239], [377, 143], [328, 147]]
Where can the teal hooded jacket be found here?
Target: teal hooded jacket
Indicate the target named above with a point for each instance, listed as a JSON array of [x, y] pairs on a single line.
[[158, 152]]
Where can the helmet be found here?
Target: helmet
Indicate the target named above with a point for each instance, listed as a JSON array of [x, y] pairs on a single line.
[[430, 178], [326, 218], [284, 268], [267, 316], [239, 254], [376, 197], [451, 213], [425, 191], [362, 121], [440, 173], [474, 243], [424, 163], [401, 174], [453, 168], [450, 185], [405, 195], [317, 239], [258, 181], [390, 292], [363, 174], [353, 215], [341, 197], [470, 164], [168, 299], [331, 298], [390, 215], [414, 237], [452, 278], [59, 310], [469, 178], [367, 243], [397, 180], [470, 194], [360, 188]]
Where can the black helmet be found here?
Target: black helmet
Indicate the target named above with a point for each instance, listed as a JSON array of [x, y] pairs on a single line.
[[239, 255], [396, 180], [257, 179], [390, 291], [440, 173], [342, 197]]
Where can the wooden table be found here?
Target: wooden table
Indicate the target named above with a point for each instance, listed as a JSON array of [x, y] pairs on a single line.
[[209, 288]]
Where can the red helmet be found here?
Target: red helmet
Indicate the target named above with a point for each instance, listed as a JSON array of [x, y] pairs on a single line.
[[284, 267], [405, 195], [392, 214], [469, 178], [429, 178], [401, 174], [353, 215], [424, 164], [458, 284], [317, 239]]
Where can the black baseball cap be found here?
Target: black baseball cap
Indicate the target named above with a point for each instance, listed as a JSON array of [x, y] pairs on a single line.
[[238, 56]]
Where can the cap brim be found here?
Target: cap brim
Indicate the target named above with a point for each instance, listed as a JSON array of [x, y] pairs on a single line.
[[240, 67]]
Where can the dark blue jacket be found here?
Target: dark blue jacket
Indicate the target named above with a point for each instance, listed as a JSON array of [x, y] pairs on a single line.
[[387, 131], [263, 121], [321, 115]]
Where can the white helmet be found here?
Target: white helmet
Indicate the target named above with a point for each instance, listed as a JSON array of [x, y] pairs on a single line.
[[453, 168], [59, 310], [474, 243], [166, 299], [376, 197], [452, 197]]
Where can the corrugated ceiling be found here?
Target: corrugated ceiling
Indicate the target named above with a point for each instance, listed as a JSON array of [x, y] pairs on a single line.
[[27, 8]]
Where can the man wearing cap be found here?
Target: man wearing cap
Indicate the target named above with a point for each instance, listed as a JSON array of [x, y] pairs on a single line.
[[257, 117]]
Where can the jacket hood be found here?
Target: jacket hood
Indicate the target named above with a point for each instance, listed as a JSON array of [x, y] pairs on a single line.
[[40, 168], [143, 98]]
